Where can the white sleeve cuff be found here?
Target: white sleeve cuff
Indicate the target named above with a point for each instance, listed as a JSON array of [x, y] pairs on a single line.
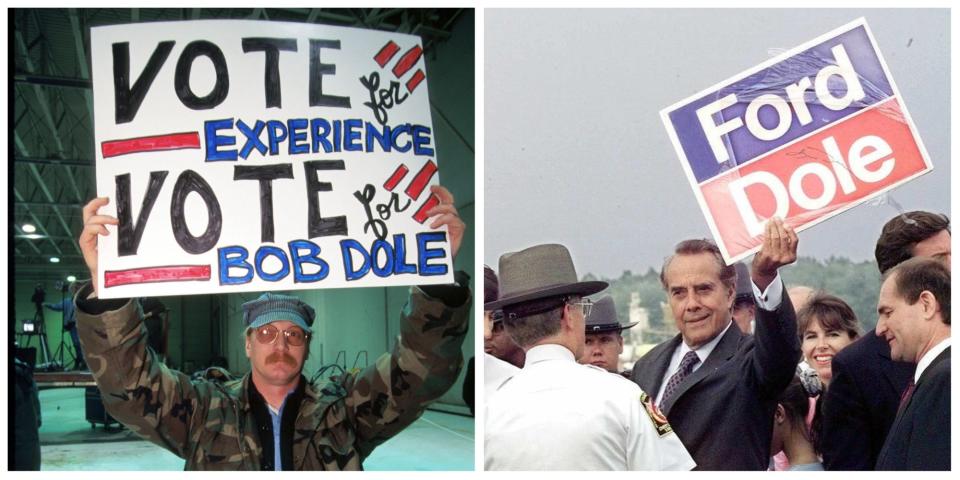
[[770, 299]]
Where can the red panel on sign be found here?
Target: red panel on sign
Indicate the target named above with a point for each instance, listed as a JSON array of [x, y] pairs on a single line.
[[821, 174]]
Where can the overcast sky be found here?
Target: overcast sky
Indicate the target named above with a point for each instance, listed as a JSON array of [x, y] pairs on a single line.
[[575, 151]]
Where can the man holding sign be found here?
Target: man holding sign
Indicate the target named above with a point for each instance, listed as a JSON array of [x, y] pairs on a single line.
[[717, 386], [273, 419]]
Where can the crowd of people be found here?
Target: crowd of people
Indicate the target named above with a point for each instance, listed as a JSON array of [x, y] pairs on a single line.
[[759, 377]]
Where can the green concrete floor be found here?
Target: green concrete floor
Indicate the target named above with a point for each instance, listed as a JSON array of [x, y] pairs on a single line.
[[437, 441]]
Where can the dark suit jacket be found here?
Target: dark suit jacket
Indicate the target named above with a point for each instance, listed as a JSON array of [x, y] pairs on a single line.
[[920, 436], [861, 403], [723, 412]]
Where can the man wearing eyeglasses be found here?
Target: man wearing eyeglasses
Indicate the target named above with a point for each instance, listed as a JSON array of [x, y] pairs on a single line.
[[555, 414], [273, 418]]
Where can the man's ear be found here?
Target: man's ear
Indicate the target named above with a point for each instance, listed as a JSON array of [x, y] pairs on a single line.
[[566, 320], [247, 347], [929, 303]]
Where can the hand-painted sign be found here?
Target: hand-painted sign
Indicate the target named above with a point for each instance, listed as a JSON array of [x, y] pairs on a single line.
[[249, 156], [804, 136]]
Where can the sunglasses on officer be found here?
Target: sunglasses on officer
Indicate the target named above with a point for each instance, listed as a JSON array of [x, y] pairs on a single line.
[[294, 336]]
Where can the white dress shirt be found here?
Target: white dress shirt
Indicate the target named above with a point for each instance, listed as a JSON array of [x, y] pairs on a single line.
[[929, 357], [556, 414], [495, 372]]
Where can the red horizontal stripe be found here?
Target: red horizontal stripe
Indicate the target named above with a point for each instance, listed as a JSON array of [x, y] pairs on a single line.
[[386, 53], [407, 61], [173, 141], [173, 273], [420, 181]]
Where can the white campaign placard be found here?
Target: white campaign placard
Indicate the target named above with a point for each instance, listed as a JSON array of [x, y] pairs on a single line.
[[251, 156]]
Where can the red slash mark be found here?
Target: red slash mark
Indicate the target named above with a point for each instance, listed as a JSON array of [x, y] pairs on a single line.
[[421, 215], [415, 80], [404, 65], [386, 53], [419, 182], [394, 179], [408, 60], [173, 141], [174, 273]]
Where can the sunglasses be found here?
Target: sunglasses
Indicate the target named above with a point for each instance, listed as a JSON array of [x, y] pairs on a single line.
[[295, 336]]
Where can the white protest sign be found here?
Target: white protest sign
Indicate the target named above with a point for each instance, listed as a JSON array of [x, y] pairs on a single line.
[[251, 156]]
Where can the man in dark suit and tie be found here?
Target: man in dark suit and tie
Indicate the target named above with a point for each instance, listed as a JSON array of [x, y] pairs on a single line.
[[717, 386], [862, 400], [914, 318]]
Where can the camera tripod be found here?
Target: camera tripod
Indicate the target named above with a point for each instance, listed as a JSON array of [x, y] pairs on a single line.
[[41, 334]]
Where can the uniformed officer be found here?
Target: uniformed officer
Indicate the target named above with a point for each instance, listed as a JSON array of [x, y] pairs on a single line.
[[604, 341], [556, 414], [495, 370]]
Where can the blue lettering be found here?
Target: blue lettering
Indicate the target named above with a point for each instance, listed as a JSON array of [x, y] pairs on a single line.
[[313, 258], [297, 128], [233, 257], [421, 144], [345, 248], [405, 128], [400, 246], [382, 137], [352, 126], [426, 254], [384, 247], [213, 140], [253, 138], [262, 254], [320, 128], [276, 132], [337, 135]]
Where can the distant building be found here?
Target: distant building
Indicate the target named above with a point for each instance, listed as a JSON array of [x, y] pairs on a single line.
[[640, 315]]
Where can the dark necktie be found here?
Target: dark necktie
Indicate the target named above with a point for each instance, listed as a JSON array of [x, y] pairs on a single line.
[[905, 396], [686, 366]]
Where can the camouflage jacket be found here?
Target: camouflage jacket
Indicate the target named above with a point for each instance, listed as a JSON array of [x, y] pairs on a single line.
[[212, 425]]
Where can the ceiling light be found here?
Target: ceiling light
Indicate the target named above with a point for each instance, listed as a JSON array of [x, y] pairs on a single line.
[[71, 278], [54, 259], [31, 236], [28, 228]]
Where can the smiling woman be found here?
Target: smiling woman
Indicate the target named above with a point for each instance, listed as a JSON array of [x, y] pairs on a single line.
[[826, 325]]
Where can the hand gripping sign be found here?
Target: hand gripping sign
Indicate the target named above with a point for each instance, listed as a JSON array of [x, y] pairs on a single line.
[[804, 136], [250, 156]]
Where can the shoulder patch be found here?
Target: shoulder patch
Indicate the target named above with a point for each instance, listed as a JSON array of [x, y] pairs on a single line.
[[659, 420]]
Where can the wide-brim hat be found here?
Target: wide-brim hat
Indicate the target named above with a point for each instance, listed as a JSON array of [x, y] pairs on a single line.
[[541, 271], [603, 317]]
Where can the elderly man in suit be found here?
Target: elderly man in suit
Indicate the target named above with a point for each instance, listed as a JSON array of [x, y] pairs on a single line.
[[862, 400], [603, 343], [556, 414], [717, 386], [914, 318]]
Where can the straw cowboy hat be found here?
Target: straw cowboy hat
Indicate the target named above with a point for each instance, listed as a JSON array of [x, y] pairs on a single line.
[[539, 272]]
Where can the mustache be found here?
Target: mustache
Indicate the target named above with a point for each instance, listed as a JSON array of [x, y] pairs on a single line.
[[281, 357]]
